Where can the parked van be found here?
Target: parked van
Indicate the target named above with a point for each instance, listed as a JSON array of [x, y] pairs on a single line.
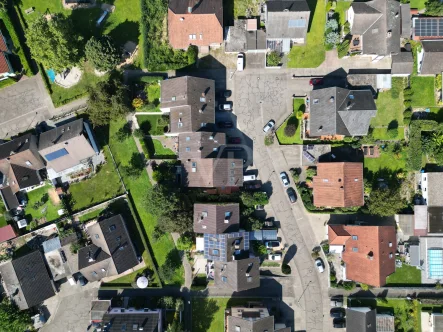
[[240, 61], [249, 178]]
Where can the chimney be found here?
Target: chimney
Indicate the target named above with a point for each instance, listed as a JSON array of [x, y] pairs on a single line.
[[331, 100], [90, 259]]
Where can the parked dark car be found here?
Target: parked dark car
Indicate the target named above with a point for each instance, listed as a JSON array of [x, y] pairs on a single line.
[[226, 94], [337, 301], [315, 81], [82, 280], [291, 194], [235, 140], [337, 312], [225, 124], [252, 186], [339, 323]]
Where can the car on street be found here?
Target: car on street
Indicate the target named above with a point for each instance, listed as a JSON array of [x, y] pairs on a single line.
[[284, 179], [240, 61], [339, 323], [315, 81], [319, 265], [250, 177], [225, 124], [252, 186], [336, 301], [226, 94], [82, 281], [234, 140], [337, 313], [269, 126], [275, 257], [291, 195], [273, 245], [225, 107]]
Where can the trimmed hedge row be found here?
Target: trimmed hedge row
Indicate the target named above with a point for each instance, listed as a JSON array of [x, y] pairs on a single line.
[[415, 148]]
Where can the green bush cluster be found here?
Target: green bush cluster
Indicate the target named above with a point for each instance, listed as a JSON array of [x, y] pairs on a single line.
[[415, 142], [343, 48], [150, 79], [285, 269], [273, 59]]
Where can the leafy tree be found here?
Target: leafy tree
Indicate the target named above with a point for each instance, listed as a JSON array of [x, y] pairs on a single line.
[[185, 242], [136, 166], [107, 101], [167, 302], [347, 27], [310, 173], [434, 8], [393, 133], [123, 133], [273, 59], [102, 53], [285, 269], [343, 48], [252, 199], [12, 319], [332, 25], [290, 130], [157, 233], [54, 42], [252, 224], [137, 103], [192, 54], [175, 326], [167, 271], [385, 202], [259, 248], [332, 38], [349, 285], [299, 114], [3, 5], [179, 304]]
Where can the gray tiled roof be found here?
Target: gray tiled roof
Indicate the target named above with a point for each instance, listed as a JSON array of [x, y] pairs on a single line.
[[60, 134], [90, 255], [373, 20], [361, 319], [435, 219], [187, 108], [433, 53], [211, 218], [279, 15], [435, 188], [9, 198], [16, 146], [405, 12], [338, 111], [402, 63], [200, 144], [250, 325], [238, 275]]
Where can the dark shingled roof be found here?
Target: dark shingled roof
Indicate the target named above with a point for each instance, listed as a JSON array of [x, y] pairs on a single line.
[[435, 219], [432, 60], [91, 251], [238, 275], [361, 319], [211, 218], [250, 322], [26, 177], [200, 144], [119, 243], [189, 108], [60, 134], [148, 320], [402, 63], [338, 111], [16, 145], [287, 5], [405, 12], [33, 278], [9, 198], [198, 7]]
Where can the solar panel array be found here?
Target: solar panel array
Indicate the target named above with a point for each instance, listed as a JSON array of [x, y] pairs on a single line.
[[428, 27], [219, 241], [435, 263], [299, 23], [56, 154]]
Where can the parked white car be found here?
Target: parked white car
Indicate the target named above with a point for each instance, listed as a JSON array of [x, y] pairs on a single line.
[[319, 265], [240, 61], [269, 126], [251, 177], [284, 179]]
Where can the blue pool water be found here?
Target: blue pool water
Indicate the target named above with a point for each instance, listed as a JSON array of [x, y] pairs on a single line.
[[51, 75]]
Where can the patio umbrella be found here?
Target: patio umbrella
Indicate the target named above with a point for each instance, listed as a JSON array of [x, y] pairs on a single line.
[[142, 282]]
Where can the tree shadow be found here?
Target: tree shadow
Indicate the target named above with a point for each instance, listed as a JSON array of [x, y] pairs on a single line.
[[203, 312], [126, 31], [85, 22], [290, 253], [393, 124]]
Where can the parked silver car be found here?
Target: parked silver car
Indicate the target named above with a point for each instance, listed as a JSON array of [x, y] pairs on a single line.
[[269, 126]]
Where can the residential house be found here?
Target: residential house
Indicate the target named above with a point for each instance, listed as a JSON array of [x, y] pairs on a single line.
[[402, 64], [226, 247], [195, 22], [238, 275], [56, 258], [427, 28], [286, 23], [361, 319], [116, 319], [21, 168], [216, 218], [244, 36], [340, 112], [376, 25], [212, 173], [385, 323], [436, 321], [200, 145], [367, 251], [428, 220], [254, 317], [7, 233], [6, 69], [429, 58], [26, 280], [432, 188], [406, 24], [190, 102], [111, 252], [338, 185], [431, 259], [68, 150]]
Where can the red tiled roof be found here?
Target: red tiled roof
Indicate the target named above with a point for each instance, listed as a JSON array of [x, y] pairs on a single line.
[[3, 46], [4, 66], [337, 235], [338, 185], [370, 263], [206, 28], [7, 233]]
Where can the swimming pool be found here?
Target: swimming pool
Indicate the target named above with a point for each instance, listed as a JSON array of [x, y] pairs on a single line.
[[51, 75]]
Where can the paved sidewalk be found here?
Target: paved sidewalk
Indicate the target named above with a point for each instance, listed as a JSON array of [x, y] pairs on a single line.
[[186, 265]]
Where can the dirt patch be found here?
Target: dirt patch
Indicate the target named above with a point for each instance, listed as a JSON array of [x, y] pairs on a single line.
[[53, 196]]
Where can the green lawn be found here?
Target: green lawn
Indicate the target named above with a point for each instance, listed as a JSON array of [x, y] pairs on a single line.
[[48, 210], [313, 53], [154, 149], [341, 8], [299, 104], [153, 90], [3, 221], [246, 8], [152, 124], [405, 275], [123, 151], [208, 314], [102, 186], [385, 161], [423, 88], [130, 278], [6, 82], [90, 215], [419, 4]]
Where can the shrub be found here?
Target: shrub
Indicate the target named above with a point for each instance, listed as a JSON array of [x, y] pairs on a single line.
[[299, 114], [347, 28], [332, 25], [348, 285], [407, 103], [365, 287], [192, 54], [185, 242], [150, 79], [137, 103], [273, 59], [285, 269], [269, 140], [311, 172], [415, 143], [259, 248], [407, 113], [332, 38], [393, 133], [290, 130], [407, 93], [343, 48]]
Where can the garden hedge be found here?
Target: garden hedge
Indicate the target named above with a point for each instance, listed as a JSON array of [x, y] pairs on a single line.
[[415, 148]]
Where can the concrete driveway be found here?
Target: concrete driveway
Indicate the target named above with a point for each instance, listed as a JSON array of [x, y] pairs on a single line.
[[69, 310], [23, 105]]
